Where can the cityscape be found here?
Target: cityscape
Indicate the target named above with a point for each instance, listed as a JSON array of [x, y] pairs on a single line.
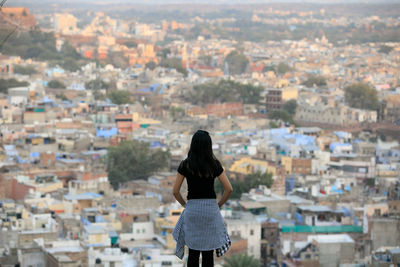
[[99, 101]]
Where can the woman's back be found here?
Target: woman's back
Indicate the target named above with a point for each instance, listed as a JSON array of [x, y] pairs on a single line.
[[200, 187], [201, 226]]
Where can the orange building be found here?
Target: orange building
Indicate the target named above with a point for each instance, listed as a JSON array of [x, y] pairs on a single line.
[[20, 16], [225, 109]]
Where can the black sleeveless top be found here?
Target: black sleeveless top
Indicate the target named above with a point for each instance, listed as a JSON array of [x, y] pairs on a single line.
[[199, 187]]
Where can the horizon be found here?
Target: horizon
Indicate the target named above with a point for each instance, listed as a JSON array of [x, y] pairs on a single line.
[[199, 2]]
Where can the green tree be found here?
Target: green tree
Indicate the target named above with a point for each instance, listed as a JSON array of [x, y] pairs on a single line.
[[131, 44], [251, 181], [69, 51], [24, 70], [385, 49], [96, 84], [273, 124], [237, 62], [205, 60], [282, 68], [241, 260], [225, 91], [56, 84], [174, 63], [151, 65], [5, 84], [176, 112], [133, 160], [315, 80], [70, 64], [164, 53], [120, 97], [282, 115], [258, 178], [268, 68], [362, 96], [118, 60], [290, 106], [61, 96]]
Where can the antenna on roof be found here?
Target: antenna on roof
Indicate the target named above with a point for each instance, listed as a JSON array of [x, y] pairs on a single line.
[[2, 3]]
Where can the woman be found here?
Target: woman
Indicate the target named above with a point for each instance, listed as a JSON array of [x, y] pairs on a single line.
[[201, 226]]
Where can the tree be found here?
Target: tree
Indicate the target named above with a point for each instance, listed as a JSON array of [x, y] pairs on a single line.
[[24, 70], [151, 65], [69, 51], [56, 84], [133, 160], [273, 124], [251, 181], [290, 106], [164, 53], [362, 96], [205, 60], [282, 115], [118, 60], [96, 84], [268, 68], [241, 260], [5, 84], [225, 91], [131, 44], [258, 178], [385, 49], [176, 112], [120, 97], [282, 68], [174, 63], [70, 64], [315, 80], [237, 62]]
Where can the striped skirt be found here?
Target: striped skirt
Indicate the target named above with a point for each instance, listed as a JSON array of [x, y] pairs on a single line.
[[201, 227]]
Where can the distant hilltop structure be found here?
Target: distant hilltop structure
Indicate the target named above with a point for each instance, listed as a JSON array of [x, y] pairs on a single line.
[[17, 16]]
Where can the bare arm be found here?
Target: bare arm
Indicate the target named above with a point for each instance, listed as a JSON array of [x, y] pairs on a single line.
[[177, 188], [227, 188]]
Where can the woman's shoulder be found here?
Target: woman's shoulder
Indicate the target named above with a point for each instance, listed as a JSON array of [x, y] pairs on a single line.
[[182, 166], [218, 168], [184, 162]]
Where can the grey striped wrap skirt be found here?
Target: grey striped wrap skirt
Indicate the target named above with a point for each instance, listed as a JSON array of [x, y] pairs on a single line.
[[201, 227]]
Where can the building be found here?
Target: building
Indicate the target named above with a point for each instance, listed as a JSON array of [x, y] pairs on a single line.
[[20, 16], [297, 165], [65, 23], [273, 100], [245, 226]]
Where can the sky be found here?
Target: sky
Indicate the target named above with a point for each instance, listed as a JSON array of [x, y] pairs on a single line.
[[14, 2]]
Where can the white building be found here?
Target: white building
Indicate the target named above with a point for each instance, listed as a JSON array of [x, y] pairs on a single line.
[[156, 257], [111, 257], [143, 230], [246, 226]]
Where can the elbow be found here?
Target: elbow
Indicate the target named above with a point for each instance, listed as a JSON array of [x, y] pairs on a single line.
[[175, 193], [229, 190]]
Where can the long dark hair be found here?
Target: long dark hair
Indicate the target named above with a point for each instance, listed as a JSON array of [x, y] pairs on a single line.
[[201, 160]]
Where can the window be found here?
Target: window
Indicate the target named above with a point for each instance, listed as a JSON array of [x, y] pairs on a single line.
[[377, 212], [143, 230], [251, 232]]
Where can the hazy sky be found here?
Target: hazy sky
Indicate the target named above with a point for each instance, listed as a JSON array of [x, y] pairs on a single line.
[[15, 2]]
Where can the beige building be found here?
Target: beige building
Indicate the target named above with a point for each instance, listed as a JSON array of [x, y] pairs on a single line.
[[334, 115], [65, 23]]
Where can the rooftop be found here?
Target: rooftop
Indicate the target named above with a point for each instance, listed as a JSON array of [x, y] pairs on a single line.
[[342, 238]]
